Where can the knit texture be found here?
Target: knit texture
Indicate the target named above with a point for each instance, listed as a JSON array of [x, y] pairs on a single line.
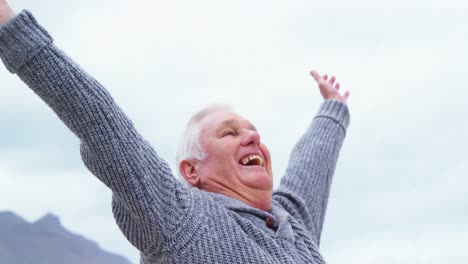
[[165, 220]]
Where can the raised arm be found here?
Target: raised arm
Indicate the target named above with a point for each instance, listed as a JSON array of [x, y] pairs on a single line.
[[305, 187], [149, 204]]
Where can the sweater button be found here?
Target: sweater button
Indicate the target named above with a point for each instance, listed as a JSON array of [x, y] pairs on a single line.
[[270, 222]]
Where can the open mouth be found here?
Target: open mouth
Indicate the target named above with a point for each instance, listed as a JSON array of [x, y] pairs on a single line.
[[251, 160]]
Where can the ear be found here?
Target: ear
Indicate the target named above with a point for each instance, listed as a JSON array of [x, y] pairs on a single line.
[[189, 170]]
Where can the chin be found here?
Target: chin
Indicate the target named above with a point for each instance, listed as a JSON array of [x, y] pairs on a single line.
[[258, 181]]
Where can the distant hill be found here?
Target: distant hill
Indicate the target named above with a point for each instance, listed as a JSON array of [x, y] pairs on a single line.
[[47, 242]]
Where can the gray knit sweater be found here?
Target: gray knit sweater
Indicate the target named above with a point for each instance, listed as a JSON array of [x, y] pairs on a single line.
[[165, 220]]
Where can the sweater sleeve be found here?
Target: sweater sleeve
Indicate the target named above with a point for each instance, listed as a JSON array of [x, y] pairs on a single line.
[[149, 204], [305, 187]]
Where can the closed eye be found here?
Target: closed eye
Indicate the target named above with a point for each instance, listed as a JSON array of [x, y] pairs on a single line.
[[228, 133]]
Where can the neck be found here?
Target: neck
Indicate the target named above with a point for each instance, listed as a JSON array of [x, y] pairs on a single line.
[[260, 199]]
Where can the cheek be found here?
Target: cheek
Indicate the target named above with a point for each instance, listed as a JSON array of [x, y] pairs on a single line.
[[265, 151], [222, 147], [266, 154], [220, 153], [213, 152]]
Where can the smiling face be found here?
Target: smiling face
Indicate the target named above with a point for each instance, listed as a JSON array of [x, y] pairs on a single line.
[[236, 160]]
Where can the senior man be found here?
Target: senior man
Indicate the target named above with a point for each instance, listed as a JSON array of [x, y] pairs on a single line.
[[230, 213]]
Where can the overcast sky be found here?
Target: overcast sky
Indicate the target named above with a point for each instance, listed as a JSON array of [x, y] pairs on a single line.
[[400, 190]]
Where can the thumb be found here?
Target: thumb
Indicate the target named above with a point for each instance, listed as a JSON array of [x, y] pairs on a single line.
[[346, 95], [316, 75]]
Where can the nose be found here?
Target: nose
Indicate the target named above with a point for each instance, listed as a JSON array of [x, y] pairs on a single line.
[[250, 137]]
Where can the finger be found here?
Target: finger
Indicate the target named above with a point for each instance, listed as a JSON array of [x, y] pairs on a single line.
[[332, 80], [325, 77], [337, 86], [346, 95], [316, 75]]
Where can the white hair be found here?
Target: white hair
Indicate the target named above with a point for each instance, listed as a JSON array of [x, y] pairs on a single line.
[[189, 146]]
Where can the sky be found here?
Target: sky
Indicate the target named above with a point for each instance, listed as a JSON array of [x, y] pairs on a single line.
[[399, 194]]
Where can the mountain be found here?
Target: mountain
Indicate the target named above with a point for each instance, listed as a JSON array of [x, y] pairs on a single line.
[[46, 241]]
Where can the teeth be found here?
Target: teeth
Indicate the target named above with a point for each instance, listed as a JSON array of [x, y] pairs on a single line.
[[252, 157]]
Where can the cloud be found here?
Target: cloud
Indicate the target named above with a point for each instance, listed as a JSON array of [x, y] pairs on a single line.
[[427, 244], [399, 179]]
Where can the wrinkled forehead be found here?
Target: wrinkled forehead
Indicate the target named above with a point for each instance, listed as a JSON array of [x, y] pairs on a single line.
[[214, 121]]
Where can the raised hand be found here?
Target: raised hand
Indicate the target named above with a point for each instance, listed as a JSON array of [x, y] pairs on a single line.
[[329, 88]]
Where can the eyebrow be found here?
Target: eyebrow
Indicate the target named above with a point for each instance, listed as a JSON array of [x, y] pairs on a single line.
[[235, 124]]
